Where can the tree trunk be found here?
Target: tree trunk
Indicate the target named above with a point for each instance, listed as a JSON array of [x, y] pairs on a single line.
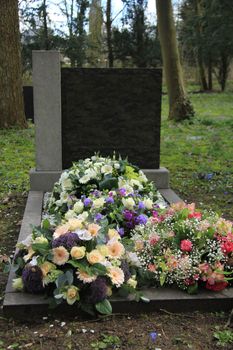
[[109, 33], [11, 97], [210, 80], [180, 107], [45, 26], [201, 67]]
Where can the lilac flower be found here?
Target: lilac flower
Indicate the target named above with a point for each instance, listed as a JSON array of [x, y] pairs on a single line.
[[122, 192], [141, 205], [153, 336], [121, 231], [32, 279], [68, 240], [128, 215], [87, 201], [141, 219], [97, 291], [109, 200], [96, 193], [98, 217]]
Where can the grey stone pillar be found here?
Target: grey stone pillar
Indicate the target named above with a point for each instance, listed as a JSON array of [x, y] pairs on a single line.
[[47, 109]]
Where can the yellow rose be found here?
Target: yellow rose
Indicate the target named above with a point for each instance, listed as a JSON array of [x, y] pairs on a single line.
[[112, 233], [78, 252], [132, 282], [72, 295], [40, 240], [94, 257], [74, 224], [103, 249]]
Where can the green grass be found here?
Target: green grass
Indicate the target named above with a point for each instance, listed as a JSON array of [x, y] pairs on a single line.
[[199, 155], [16, 159]]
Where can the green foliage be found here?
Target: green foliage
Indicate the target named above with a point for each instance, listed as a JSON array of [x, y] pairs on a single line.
[[104, 307], [224, 337], [107, 342]]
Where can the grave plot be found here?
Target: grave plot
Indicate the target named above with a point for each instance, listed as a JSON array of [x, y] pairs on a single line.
[[79, 112]]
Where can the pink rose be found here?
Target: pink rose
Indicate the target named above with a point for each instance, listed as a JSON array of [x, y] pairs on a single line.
[[186, 245]]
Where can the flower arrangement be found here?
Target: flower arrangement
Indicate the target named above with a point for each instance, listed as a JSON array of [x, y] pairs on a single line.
[[107, 230], [184, 247], [93, 175]]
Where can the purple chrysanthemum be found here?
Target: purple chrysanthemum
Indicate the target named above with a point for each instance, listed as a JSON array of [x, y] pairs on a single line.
[[109, 200], [122, 192], [141, 219], [141, 205], [87, 201], [98, 217], [32, 279], [97, 291], [69, 240], [121, 231], [125, 267], [128, 215]]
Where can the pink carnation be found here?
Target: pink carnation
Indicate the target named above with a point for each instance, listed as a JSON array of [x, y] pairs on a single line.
[[186, 245]]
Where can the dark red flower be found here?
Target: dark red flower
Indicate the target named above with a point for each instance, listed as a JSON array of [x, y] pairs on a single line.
[[217, 286]]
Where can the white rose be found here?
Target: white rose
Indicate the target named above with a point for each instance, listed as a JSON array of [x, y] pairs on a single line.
[[66, 185], [70, 214], [98, 203], [83, 216], [133, 259], [148, 203], [78, 207], [64, 197], [117, 166], [84, 179], [128, 203], [137, 183], [142, 176], [106, 169], [91, 173]]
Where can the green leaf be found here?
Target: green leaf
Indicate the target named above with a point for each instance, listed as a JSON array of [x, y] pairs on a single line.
[[98, 269], [69, 277], [104, 307], [45, 224], [162, 278], [108, 183], [61, 280], [42, 248], [193, 289]]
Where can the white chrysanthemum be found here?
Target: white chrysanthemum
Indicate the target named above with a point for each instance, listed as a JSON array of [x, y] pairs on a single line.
[[98, 203], [84, 179], [128, 203]]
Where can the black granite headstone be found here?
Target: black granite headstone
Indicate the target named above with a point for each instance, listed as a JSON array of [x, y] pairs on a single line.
[[28, 102], [109, 110]]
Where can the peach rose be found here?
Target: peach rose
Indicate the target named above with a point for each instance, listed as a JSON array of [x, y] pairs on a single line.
[[95, 257], [74, 224]]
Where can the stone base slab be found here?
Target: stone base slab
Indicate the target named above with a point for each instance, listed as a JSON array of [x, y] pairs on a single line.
[[44, 180]]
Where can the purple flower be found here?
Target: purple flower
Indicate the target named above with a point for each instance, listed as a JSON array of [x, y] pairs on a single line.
[[96, 193], [141, 205], [68, 240], [98, 217], [109, 200], [128, 215], [87, 201], [122, 192], [32, 279], [121, 231], [141, 219], [153, 336], [97, 291]]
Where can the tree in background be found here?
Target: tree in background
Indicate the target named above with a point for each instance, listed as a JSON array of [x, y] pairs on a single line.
[[180, 107], [95, 37], [206, 34], [75, 41], [11, 98]]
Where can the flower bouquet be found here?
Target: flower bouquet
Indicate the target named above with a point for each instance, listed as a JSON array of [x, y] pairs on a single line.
[[184, 247], [105, 229]]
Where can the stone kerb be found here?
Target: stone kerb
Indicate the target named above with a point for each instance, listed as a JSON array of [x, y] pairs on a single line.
[[48, 125]]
